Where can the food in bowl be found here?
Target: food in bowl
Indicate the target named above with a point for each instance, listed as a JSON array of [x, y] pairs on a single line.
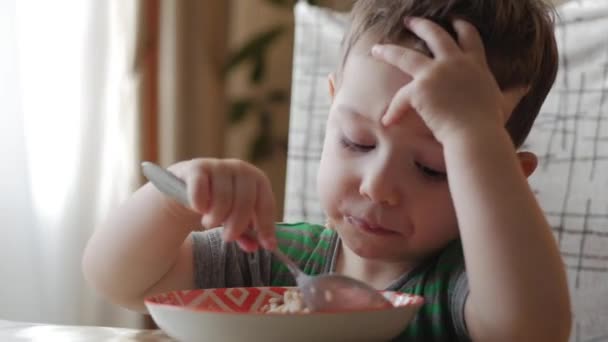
[[292, 302], [235, 315]]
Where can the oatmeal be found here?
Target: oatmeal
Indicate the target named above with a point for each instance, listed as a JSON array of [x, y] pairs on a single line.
[[291, 302]]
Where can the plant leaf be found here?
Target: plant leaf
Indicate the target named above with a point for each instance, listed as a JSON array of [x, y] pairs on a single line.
[[263, 146], [259, 70], [281, 3], [277, 96], [238, 110], [254, 48]]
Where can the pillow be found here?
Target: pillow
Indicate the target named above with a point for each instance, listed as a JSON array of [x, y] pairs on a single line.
[[318, 34], [570, 137]]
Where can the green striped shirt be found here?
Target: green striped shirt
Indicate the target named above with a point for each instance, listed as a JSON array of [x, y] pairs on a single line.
[[441, 279]]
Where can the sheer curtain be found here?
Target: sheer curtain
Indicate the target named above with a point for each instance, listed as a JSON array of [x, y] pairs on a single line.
[[68, 143]]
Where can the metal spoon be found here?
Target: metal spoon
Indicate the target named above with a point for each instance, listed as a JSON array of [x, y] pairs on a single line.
[[326, 292]]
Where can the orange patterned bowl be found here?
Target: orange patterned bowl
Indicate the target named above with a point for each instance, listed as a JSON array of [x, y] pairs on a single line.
[[235, 314]]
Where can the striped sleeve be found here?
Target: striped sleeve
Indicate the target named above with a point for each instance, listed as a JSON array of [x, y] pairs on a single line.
[[310, 246], [443, 283]]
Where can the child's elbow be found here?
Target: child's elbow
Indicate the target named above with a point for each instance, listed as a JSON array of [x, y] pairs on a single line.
[[550, 324], [89, 267], [555, 325], [566, 329], [550, 319], [558, 322], [92, 266], [559, 326]]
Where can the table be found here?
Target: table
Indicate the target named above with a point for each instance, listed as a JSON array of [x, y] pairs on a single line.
[[20, 331]]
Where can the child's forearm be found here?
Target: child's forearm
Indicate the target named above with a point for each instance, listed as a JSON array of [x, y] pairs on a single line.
[[135, 251], [516, 275]]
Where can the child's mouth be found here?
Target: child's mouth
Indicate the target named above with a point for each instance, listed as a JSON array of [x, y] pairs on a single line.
[[369, 227]]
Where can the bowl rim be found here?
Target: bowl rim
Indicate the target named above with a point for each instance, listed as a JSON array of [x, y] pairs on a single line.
[[416, 303]]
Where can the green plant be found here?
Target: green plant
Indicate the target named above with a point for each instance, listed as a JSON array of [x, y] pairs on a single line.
[[254, 54]]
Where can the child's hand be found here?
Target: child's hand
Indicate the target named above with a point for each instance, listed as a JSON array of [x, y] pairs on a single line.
[[234, 194], [454, 91]]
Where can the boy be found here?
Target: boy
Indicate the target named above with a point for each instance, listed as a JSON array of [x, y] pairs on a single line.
[[419, 178]]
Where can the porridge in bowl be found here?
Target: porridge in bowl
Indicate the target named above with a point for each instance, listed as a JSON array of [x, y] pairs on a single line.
[[292, 302], [266, 314]]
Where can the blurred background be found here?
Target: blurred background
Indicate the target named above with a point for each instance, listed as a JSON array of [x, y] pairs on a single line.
[[89, 89]]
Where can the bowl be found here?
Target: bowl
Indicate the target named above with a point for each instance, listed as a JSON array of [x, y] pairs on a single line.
[[234, 314]]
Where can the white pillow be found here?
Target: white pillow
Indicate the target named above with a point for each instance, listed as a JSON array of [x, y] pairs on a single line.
[[318, 34], [570, 137]]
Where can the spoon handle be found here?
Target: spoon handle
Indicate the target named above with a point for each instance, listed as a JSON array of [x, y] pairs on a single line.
[[166, 182], [291, 265], [171, 185]]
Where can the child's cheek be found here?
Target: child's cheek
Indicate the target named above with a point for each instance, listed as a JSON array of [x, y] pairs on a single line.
[[327, 195]]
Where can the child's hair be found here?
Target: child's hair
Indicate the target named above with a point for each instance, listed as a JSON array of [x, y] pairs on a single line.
[[518, 36]]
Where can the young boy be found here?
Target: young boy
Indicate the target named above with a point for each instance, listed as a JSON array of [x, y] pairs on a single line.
[[420, 180]]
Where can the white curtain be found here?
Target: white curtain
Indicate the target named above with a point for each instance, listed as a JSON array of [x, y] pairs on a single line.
[[68, 145]]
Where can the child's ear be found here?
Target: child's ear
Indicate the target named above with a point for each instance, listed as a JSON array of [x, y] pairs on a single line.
[[332, 85], [528, 162]]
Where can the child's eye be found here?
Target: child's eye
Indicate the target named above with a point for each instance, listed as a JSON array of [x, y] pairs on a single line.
[[432, 174], [353, 146]]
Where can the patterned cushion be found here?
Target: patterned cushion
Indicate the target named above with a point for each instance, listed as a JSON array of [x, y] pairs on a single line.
[[318, 35], [570, 137]]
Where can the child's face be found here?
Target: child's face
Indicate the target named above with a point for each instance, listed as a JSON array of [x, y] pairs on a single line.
[[383, 188]]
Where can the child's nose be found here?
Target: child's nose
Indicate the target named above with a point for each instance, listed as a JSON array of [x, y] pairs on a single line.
[[380, 187]]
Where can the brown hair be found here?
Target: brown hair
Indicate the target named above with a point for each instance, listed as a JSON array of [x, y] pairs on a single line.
[[518, 36]]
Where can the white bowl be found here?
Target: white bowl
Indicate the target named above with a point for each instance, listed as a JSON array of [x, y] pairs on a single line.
[[234, 314]]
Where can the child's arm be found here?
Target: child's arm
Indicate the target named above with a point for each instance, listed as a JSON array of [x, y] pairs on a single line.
[[518, 287], [144, 248]]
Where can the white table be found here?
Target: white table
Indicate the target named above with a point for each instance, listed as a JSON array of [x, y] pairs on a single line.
[[20, 332]]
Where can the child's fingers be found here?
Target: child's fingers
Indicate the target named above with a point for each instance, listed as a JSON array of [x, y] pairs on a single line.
[[399, 106], [407, 60], [265, 211], [242, 208], [198, 191], [436, 38], [248, 244], [222, 194], [469, 38]]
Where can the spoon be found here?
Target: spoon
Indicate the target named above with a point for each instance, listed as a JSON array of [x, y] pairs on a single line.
[[322, 293]]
